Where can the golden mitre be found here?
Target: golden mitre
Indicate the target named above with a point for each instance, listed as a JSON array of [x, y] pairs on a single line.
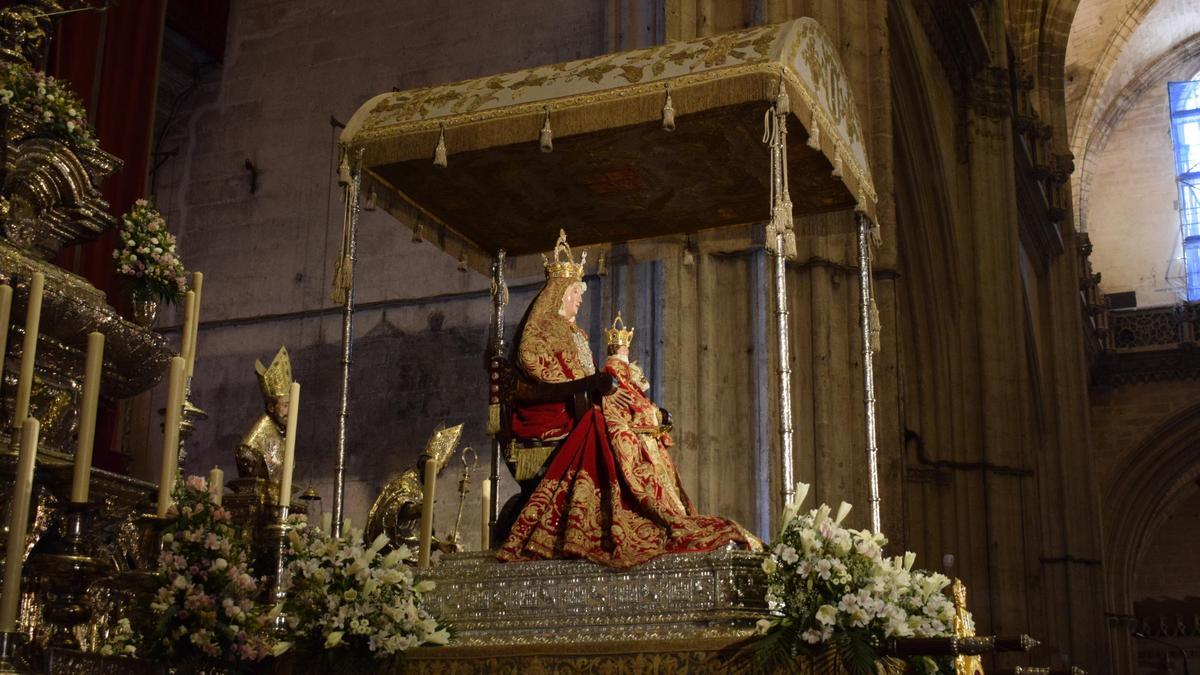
[[561, 268], [618, 335], [275, 381], [441, 444]]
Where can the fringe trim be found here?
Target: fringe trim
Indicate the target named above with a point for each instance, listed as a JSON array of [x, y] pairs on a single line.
[[493, 423], [530, 460], [343, 279]]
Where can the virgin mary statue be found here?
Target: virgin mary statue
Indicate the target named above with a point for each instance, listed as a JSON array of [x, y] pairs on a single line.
[[610, 493]]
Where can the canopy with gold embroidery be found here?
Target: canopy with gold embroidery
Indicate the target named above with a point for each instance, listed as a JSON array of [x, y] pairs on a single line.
[[615, 173]]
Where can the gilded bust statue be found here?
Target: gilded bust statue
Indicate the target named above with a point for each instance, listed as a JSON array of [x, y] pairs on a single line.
[[260, 452], [397, 510]]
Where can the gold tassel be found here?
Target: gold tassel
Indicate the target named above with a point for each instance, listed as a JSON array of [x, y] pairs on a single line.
[[546, 138], [814, 135], [783, 104], [370, 202], [876, 235], [343, 279], [462, 262], [789, 244], [770, 235], [530, 461], [344, 171], [837, 166], [416, 238], [439, 152], [602, 265], [668, 112], [493, 423], [875, 326]]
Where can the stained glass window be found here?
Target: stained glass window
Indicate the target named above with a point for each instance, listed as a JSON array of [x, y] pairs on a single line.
[[1185, 135]]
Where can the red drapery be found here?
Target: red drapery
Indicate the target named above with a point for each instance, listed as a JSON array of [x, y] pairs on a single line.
[[111, 60]]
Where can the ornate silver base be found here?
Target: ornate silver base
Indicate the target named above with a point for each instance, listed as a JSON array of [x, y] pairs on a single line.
[[688, 595], [11, 662]]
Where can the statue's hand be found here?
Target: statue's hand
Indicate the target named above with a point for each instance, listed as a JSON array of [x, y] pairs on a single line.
[[665, 417], [620, 397]]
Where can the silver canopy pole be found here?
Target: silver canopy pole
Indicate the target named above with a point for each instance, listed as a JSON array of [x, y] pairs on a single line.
[[350, 190], [778, 234], [868, 356], [499, 300]]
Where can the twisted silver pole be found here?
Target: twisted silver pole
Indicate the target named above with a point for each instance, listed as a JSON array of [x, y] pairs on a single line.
[[777, 133], [868, 355], [351, 224]]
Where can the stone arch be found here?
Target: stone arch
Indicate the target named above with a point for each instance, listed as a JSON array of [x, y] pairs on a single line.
[[1183, 56], [1086, 113], [1146, 486]]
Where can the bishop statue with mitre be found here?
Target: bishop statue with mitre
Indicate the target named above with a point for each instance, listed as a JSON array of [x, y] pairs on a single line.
[[260, 453]]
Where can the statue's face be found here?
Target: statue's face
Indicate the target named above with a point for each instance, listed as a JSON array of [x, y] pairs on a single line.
[[572, 299], [623, 352], [277, 409]]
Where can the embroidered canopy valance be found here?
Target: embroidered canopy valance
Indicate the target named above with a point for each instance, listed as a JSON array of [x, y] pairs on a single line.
[[505, 161]]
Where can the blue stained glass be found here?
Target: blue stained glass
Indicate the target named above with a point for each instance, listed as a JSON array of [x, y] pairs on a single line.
[[1185, 136]]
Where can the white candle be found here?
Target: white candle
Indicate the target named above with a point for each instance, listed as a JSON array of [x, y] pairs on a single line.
[[18, 521], [33, 317], [326, 523], [170, 451], [485, 533], [289, 447], [185, 333], [197, 286], [5, 313], [427, 513], [93, 373], [216, 484]]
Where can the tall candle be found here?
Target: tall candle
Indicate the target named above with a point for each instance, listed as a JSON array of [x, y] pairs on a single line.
[[185, 333], [197, 287], [170, 451], [216, 484], [92, 374], [485, 532], [289, 447], [326, 523], [18, 521], [427, 513], [5, 313], [33, 317]]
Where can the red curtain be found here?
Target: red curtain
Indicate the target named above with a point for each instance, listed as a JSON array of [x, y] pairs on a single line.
[[111, 60]]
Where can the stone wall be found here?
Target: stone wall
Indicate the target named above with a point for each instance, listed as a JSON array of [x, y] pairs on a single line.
[[268, 253]]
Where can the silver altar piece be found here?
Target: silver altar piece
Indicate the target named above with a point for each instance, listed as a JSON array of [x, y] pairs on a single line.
[[868, 354], [678, 596], [349, 245], [61, 569], [274, 548]]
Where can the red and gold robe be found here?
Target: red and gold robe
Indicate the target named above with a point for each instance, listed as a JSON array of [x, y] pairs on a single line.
[[612, 495]]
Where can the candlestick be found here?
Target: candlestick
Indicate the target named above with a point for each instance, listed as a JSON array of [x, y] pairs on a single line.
[[17, 523], [485, 533], [216, 484], [33, 317], [197, 287], [87, 417], [427, 512], [170, 468], [289, 446], [185, 333]]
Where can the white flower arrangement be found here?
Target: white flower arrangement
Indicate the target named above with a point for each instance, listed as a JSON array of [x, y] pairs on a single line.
[[830, 587], [344, 593], [54, 108], [146, 254]]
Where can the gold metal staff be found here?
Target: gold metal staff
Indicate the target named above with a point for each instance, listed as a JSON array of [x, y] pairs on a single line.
[[464, 486]]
